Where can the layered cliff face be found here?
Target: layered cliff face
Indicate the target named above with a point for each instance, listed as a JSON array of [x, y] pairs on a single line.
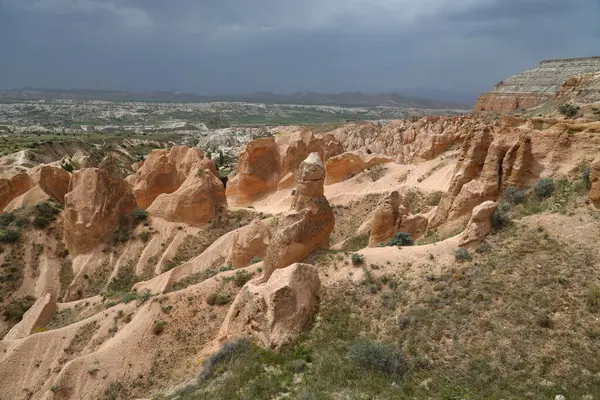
[[548, 80]]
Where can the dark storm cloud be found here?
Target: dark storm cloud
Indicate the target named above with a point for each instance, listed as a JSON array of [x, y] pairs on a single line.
[[282, 45]]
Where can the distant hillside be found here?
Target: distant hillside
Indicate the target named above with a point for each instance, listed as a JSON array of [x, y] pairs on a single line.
[[355, 99]]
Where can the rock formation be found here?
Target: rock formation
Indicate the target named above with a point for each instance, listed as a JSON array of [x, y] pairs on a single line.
[[195, 202], [40, 313], [345, 166], [54, 181], [257, 172], [248, 244], [164, 171], [549, 79], [595, 184], [14, 187], [307, 226], [479, 225], [94, 206], [276, 311], [387, 218], [300, 145]]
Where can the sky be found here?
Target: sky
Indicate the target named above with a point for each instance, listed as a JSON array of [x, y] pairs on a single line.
[[240, 46]]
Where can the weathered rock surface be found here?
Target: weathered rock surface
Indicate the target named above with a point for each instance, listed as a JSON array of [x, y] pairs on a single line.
[[276, 311], [257, 172], [540, 84], [164, 171], [300, 146], [195, 202], [595, 184], [37, 316], [93, 208], [14, 187], [345, 166], [479, 225], [387, 218], [307, 226], [52, 180], [248, 243]]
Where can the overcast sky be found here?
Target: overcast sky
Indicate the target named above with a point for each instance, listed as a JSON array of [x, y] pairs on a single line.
[[240, 46]]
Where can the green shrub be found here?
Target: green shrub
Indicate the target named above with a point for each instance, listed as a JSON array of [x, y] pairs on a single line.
[[158, 327], [139, 215], [9, 235], [568, 110], [401, 239], [514, 195], [585, 177], [500, 219], [6, 219], [255, 260], [242, 277], [44, 215], [217, 299], [200, 172], [357, 259], [544, 188], [145, 236], [383, 357], [67, 166], [461, 255]]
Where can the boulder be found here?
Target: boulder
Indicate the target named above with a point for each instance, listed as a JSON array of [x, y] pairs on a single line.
[[307, 226], [274, 312], [479, 225], [54, 181], [257, 173], [40, 313], [195, 202], [387, 218], [94, 206], [347, 165], [164, 171], [250, 242]]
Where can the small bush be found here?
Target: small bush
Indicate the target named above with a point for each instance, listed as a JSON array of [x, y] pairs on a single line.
[[67, 166], [139, 215], [500, 219], [144, 236], [461, 255], [568, 110], [544, 188], [483, 248], [242, 277], [585, 177], [514, 195], [217, 299], [385, 358], [158, 327], [6, 219], [401, 239], [255, 260], [357, 259], [9, 235], [45, 214], [200, 172]]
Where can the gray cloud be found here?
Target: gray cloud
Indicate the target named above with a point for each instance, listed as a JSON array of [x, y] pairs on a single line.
[[281, 45]]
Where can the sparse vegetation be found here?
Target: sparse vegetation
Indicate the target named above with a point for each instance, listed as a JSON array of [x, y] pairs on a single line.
[[17, 307], [158, 327], [357, 259], [401, 239], [386, 358], [514, 195], [9, 235], [544, 188], [569, 110], [242, 277], [461, 255], [217, 299], [255, 260]]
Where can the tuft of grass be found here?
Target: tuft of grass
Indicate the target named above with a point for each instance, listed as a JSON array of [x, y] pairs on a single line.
[[401, 239], [17, 307], [357, 259], [461, 255], [543, 188], [158, 327], [242, 277]]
